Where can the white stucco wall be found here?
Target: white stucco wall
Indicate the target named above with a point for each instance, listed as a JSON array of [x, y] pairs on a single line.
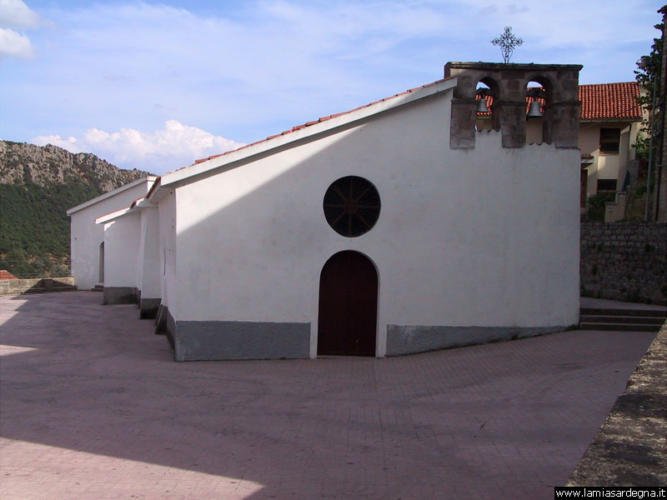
[[149, 270], [589, 138], [608, 165], [121, 248], [86, 236], [483, 237], [167, 248]]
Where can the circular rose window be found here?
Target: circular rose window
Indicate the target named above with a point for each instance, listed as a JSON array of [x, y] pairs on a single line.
[[351, 206]]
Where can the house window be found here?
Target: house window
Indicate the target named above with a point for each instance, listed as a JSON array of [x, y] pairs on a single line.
[[606, 185], [610, 139], [351, 206]]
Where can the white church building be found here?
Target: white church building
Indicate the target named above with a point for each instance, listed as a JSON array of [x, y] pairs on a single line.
[[87, 237], [394, 228]]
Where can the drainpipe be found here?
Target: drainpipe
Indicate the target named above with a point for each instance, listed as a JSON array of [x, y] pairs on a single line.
[[650, 152]]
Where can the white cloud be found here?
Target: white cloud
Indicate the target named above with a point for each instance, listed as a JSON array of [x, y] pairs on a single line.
[[173, 146], [256, 68], [14, 44], [69, 143], [16, 14], [250, 69]]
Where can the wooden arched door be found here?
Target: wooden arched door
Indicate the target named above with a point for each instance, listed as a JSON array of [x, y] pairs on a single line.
[[348, 306]]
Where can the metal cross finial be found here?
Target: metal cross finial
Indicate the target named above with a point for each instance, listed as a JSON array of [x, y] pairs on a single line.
[[508, 42]]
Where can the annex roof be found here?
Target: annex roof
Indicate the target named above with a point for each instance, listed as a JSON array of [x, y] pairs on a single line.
[[150, 178], [136, 205]]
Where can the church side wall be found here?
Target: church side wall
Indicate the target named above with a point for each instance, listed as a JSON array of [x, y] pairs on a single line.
[[86, 236], [121, 248], [167, 250], [470, 245], [149, 269]]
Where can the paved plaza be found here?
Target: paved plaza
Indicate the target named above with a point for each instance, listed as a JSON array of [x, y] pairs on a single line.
[[92, 405]]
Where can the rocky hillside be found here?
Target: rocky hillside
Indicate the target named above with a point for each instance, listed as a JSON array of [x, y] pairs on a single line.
[[22, 164], [37, 185]]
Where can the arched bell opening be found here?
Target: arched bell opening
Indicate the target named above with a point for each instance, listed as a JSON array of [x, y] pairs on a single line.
[[538, 110], [486, 98]]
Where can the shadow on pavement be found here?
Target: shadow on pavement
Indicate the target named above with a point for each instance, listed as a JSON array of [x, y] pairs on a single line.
[[92, 404]]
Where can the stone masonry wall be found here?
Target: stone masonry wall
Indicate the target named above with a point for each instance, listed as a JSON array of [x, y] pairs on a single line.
[[36, 285], [624, 261]]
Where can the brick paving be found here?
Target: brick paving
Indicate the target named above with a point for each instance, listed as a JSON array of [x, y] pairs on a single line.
[[631, 447], [92, 406]]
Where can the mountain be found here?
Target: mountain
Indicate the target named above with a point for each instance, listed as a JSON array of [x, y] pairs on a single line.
[[37, 185]]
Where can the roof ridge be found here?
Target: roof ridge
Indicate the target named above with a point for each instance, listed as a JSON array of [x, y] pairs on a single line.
[[318, 120], [632, 82]]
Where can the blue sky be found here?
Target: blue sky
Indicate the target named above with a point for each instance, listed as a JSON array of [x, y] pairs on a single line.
[[154, 85]]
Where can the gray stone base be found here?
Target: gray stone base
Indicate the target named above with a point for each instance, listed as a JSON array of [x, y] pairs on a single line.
[[119, 295], [216, 340], [148, 308], [407, 339], [161, 320], [165, 324]]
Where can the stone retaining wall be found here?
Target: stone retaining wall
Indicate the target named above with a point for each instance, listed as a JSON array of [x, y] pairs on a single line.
[[36, 285], [624, 261]]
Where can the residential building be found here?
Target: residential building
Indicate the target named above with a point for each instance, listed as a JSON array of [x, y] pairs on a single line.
[[611, 119]]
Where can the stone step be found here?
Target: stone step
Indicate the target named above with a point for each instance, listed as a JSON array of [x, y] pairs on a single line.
[[650, 320], [657, 313], [622, 319], [623, 327]]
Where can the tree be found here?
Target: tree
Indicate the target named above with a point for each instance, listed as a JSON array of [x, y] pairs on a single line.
[[649, 75], [649, 71]]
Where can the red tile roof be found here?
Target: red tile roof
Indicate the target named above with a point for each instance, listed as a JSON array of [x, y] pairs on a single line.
[[6, 275], [610, 101]]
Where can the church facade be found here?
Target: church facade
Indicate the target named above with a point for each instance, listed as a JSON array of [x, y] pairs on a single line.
[[390, 229]]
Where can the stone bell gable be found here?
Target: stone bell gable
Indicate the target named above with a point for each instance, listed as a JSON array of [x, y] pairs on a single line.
[[508, 85]]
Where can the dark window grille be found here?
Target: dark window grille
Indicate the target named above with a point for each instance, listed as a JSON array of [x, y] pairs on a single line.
[[610, 139], [351, 206], [606, 185]]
